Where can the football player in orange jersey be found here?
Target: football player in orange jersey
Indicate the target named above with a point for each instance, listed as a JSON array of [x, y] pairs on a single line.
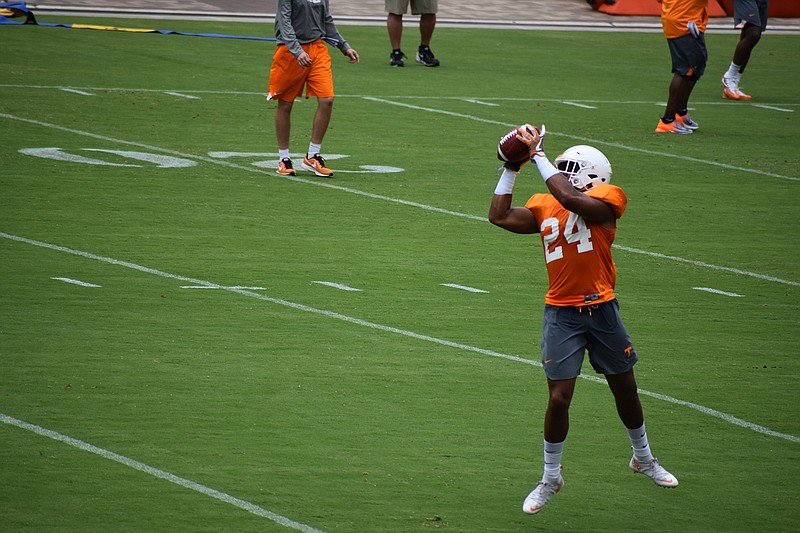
[[577, 222], [684, 23]]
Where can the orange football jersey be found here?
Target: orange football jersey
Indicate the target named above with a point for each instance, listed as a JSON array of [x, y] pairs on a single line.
[[676, 14], [577, 253]]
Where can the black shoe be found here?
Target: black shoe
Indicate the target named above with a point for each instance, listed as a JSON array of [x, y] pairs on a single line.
[[425, 56], [396, 59]]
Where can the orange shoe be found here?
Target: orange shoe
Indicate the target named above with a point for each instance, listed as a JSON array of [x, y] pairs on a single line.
[[730, 90], [672, 127], [285, 168], [317, 165]]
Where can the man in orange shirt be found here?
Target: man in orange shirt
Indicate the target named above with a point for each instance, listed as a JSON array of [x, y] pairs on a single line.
[[684, 23], [577, 222]]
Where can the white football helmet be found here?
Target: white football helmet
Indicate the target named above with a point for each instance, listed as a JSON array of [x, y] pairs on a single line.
[[585, 167]]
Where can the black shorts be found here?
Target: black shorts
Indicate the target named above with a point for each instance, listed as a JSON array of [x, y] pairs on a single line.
[[689, 55], [750, 12], [568, 332]]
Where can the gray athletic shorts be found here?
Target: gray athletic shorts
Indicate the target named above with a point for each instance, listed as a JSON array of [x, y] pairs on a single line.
[[750, 12], [568, 332], [689, 55], [418, 7]]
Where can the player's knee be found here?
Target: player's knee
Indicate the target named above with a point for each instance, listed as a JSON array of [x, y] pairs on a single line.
[[559, 402], [751, 33]]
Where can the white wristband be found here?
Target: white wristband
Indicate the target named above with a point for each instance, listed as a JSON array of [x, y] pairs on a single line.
[[506, 182], [546, 168]]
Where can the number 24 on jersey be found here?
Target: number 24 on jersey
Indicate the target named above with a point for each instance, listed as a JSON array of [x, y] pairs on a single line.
[[575, 231]]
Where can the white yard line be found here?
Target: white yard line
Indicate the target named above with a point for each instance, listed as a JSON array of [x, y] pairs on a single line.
[[774, 108], [717, 291], [481, 102], [389, 329], [710, 266], [76, 282], [337, 286], [181, 95], [585, 106], [161, 474], [75, 91], [229, 287], [463, 287]]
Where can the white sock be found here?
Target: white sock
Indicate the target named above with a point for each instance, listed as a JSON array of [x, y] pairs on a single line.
[[314, 149], [733, 72], [552, 461], [283, 154], [641, 448]]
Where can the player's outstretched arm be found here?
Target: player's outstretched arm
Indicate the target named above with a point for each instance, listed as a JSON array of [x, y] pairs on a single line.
[[501, 214], [513, 219]]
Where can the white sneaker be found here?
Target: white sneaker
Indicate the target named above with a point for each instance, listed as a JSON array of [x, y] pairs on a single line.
[[654, 471], [540, 495]]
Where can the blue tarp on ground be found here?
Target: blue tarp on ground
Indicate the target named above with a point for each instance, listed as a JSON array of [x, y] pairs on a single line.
[[18, 13]]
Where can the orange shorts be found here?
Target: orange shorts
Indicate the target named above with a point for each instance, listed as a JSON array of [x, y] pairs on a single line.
[[287, 78]]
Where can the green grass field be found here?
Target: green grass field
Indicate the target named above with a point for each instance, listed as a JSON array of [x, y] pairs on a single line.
[[269, 398]]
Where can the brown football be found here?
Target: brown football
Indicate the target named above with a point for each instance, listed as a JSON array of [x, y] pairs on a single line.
[[512, 149]]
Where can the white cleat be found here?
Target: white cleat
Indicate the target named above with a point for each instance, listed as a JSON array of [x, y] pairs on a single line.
[[540, 495], [654, 471]]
